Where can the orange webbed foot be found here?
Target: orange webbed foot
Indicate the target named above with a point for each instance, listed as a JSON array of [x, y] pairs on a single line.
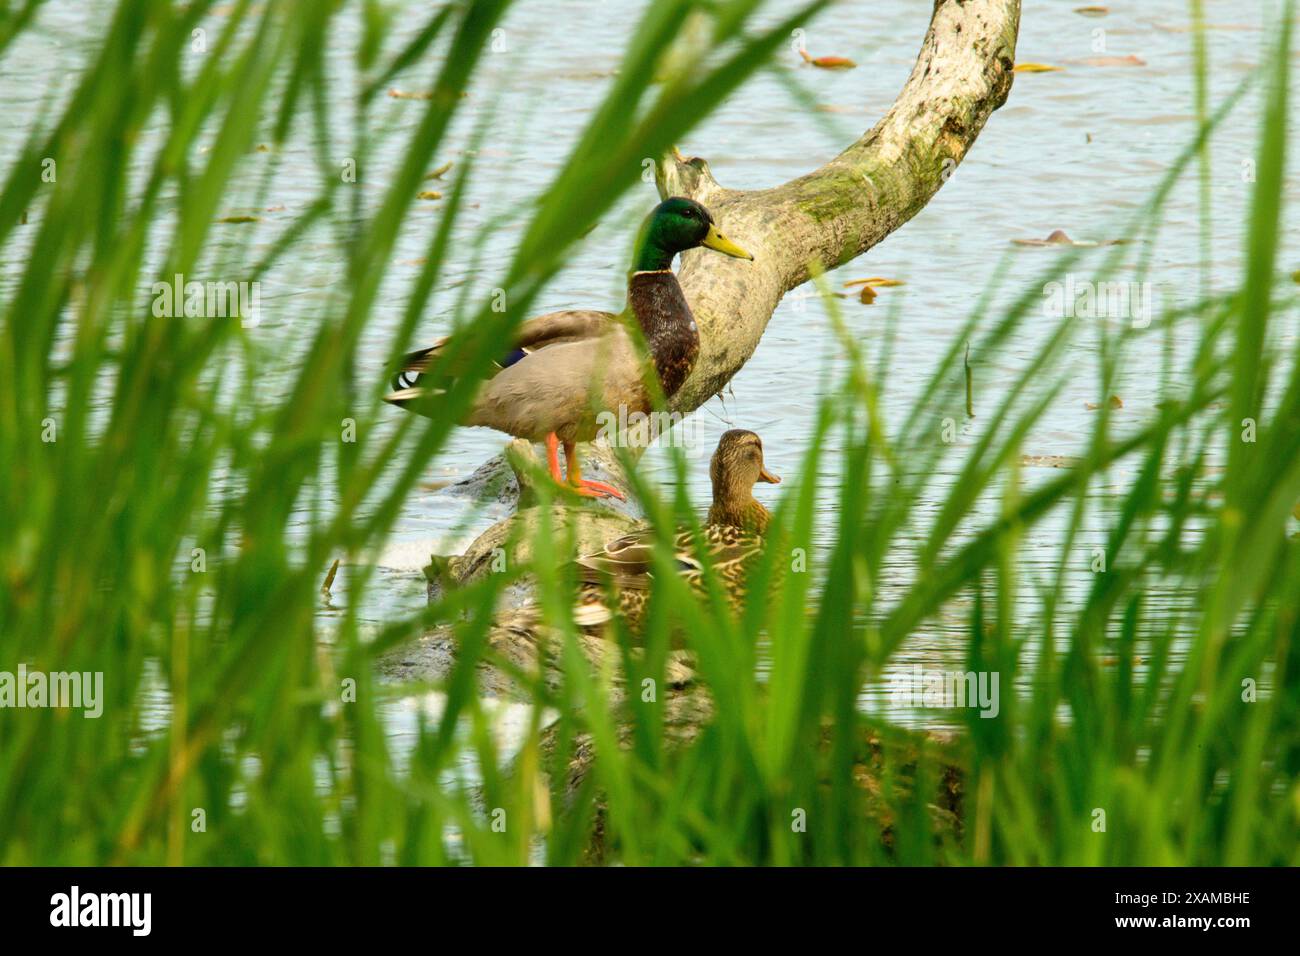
[[596, 489]]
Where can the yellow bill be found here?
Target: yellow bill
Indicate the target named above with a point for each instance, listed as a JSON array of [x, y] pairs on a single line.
[[720, 243]]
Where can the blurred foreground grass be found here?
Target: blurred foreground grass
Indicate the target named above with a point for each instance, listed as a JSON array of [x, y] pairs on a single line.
[[130, 440]]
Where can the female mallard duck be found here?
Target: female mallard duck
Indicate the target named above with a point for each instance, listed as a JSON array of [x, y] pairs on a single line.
[[565, 368], [732, 536]]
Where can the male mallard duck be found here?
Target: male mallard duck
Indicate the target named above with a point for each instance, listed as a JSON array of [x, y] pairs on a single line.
[[565, 368], [732, 535]]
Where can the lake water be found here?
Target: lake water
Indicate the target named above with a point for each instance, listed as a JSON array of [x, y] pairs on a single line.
[[1079, 149]]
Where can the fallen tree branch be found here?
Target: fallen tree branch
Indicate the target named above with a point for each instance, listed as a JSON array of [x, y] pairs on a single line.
[[829, 216], [834, 214], [816, 222]]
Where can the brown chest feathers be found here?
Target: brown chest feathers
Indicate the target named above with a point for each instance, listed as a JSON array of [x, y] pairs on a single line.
[[747, 514], [657, 301]]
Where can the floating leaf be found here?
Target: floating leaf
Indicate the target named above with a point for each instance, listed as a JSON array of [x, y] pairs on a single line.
[[1114, 402], [438, 173], [1209, 27], [1059, 238], [239, 219], [1129, 60], [828, 62], [403, 95], [877, 282], [869, 287], [1035, 68], [428, 194], [1092, 11], [1050, 461], [329, 578], [1111, 661]]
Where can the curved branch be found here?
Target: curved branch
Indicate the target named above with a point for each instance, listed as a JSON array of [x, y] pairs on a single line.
[[834, 214], [820, 220]]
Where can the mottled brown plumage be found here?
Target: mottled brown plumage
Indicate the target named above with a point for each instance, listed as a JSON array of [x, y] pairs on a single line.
[[732, 541]]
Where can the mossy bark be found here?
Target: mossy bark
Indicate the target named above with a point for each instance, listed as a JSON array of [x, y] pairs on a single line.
[[815, 222], [834, 214], [837, 212]]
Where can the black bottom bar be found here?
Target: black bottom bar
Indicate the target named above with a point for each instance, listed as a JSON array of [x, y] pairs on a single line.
[[333, 906]]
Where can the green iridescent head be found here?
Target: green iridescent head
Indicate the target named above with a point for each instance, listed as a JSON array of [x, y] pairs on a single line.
[[675, 225]]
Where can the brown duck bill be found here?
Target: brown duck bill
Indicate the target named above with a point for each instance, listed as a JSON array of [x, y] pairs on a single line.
[[765, 475]]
